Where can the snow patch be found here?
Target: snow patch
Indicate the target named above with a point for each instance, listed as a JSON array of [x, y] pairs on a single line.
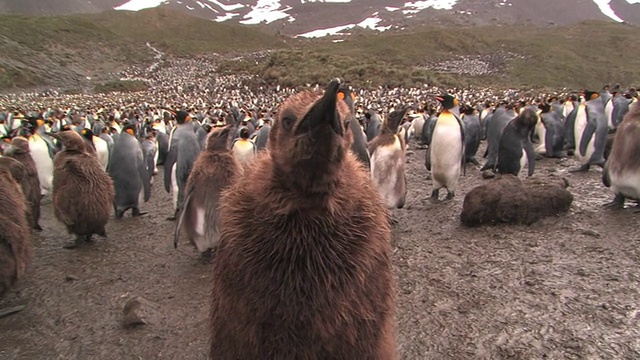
[[267, 11], [227, 8], [137, 5], [225, 17], [605, 8]]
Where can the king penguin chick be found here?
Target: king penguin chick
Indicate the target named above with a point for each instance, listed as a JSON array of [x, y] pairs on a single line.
[[388, 162], [15, 243], [82, 192], [130, 176], [213, 171], [447, 149], [309, 277], [19, 150], [622, 168]]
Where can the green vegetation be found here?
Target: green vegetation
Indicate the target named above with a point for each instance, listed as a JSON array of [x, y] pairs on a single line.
[[121, 86], [52, 50]]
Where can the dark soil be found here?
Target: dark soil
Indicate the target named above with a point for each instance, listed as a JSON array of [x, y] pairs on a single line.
[[564, 287]]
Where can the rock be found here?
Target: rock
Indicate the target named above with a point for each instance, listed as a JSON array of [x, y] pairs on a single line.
[[507, 199], [488, 174], [592, 233], [71, 278], [140, 311]]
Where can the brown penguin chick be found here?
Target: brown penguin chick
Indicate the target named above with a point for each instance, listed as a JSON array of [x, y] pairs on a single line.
[[388, 162], [213, 171], [31, 183], [309, 275], [15, 242], [82, 191]]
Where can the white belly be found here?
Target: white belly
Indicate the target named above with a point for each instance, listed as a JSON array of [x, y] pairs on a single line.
[[102, 150], [44, 164], [446, 155], [579, 126], [608, 113], [626, 183], [387, 169]]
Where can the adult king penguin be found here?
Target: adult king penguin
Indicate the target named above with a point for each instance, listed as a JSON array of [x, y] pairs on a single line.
[[447, 148], [622, 169], [388, 162], [183, 151], [590, 132], [129, 172], [42, 153], [82, 193], [359, 144], [309, 276]]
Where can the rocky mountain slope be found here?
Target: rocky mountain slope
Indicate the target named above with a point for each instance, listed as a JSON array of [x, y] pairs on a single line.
[[312, 18]]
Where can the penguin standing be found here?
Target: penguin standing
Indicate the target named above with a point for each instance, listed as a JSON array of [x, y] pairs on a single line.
[[30, 184], [472, 134], [82, 193], [516, 137], [447, 149], [213, 171], [590, 132], [183, 151], [309, 277], [263, 135], [499, 120], [15, 241], [554, 132], [359, 143], [373, 125], [98, 145], [42, 153], [622, 169], [150, 154], [244, 149], [388, 162], [129, 173]]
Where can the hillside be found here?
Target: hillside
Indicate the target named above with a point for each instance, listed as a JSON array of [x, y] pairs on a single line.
[[65, 51]]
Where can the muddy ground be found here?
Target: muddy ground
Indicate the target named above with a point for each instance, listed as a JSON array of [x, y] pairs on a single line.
[[563, 288]]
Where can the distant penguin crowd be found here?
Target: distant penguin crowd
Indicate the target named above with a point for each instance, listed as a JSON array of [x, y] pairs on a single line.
[[291, 196]]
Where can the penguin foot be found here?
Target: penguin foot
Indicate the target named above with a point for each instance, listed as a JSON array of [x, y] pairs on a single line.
[[581, 168], [473, 161], [136, 212], [450, 195], [174, 216], [434, 195], [37, 227], [207, 256], [119, 214], [616, 203]]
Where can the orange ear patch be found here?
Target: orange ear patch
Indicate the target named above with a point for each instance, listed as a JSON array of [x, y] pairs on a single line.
[[340, 96], [84, 131], [40, 122], [130, 132], [7, 140]]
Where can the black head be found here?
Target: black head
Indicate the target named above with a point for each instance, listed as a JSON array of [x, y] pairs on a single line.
[[182, 117], [307, 140], [590, 95], [349, 97], [448, 101], [129, 129], [545, 107], [87, 134]]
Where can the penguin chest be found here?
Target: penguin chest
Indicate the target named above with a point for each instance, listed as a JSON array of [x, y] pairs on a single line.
[[39, 151], [579, 127], [608, 113], [446, 145], [626, 182], [102, 150], [387, 172], [243, 151]]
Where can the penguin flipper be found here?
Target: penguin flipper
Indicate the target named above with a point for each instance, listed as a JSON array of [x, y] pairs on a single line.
[[531, 156], [600, 143], [180, 218], [145, 177], [548, 139], [463, 139], [569, 129], [587, 134], [606, 178], [168, 166]]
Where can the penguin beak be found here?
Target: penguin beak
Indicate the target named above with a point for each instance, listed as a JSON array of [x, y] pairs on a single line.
[[323, 112], [440, 98]]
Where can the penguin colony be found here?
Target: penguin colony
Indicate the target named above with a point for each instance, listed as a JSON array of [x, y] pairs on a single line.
[[320, 177]]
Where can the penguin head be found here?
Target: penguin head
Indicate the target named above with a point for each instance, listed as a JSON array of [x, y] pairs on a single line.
[[129, 129], [218, 138], [544, 107], [528, 118], [65, 127], [590, 95], [448, 101], [395, 118], [87, 134], [70, 140], [467, 109], [307, 140], [349, 97], [182, 117], [19, 145]]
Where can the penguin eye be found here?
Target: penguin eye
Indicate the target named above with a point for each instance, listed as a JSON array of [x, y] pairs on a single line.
[[287, 123]]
